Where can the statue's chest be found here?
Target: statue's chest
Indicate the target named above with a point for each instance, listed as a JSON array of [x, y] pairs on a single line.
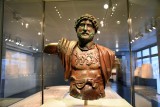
[[85, 59]]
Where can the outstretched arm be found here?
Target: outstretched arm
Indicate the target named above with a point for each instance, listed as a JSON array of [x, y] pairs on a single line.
[[51, 48]]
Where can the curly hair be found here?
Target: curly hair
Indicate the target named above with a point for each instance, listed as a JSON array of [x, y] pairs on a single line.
[[87, 17]]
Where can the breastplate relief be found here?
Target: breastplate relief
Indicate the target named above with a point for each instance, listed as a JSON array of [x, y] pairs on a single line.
[[85, 59]]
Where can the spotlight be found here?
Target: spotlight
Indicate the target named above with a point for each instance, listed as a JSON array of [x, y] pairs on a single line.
[[106, 6]]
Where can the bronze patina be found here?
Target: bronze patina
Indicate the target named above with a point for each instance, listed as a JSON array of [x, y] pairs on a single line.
[[87, 65]]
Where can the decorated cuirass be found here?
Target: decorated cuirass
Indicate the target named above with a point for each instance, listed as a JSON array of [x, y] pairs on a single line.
[[86, 79]]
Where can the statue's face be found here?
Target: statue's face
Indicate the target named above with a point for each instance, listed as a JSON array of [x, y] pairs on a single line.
[[85, 31]]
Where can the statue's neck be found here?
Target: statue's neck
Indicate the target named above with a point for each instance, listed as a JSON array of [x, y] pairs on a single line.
[[86, 46]]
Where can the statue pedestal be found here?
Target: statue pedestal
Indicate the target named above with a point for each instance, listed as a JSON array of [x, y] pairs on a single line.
[[80, 103], [112, 99]]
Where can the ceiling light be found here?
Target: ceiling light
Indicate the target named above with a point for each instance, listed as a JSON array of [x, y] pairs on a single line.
[[136, 38], [117, 50], [22, 23], [6, 39], [47, 40], [97, 39], [27, 25], [113, 8], [105, 6], [154, 27], [39, 33], [150, 30], [17, 43], [117, 45], [118, 22], [102, 23], [98, 32]]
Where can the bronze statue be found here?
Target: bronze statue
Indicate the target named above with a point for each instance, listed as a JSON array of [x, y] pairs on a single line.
[[87, 65]]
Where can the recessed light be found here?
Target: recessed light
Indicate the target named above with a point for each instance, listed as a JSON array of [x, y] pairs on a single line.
[[117, 50], [97, 39], [39, 33], [105, 6], [118, 22]]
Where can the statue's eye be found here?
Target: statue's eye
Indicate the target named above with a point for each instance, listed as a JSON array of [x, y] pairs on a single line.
[[89, 25], [81, 24]]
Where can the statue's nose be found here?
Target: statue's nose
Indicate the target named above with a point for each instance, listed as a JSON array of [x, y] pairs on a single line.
[[85, 28]]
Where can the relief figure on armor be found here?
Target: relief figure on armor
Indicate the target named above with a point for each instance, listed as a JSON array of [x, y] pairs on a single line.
[[87, 65]]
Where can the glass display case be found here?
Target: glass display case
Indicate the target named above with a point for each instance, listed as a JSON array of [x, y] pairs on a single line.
[[30, 77], [21, 51], [145, 44]]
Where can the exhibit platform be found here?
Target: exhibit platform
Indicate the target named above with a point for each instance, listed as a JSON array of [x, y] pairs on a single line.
[[58, 96], [80, 103]]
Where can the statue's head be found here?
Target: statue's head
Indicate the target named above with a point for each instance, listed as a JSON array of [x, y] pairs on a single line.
[[86, 27], [89, 17]]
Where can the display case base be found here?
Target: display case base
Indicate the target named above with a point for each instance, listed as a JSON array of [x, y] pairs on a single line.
[[80, 103]]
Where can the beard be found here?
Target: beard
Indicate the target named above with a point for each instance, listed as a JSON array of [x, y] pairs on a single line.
[[85, 37]]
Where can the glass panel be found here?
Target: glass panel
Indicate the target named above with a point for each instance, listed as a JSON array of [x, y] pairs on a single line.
[[155, 66], [139, 63], [146, 60], [139, 54], [60, 21], [22, 60], [145, 52], [145, 33], [154, 50]]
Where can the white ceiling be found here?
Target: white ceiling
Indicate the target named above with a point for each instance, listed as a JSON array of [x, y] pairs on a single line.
[[31, 11]]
